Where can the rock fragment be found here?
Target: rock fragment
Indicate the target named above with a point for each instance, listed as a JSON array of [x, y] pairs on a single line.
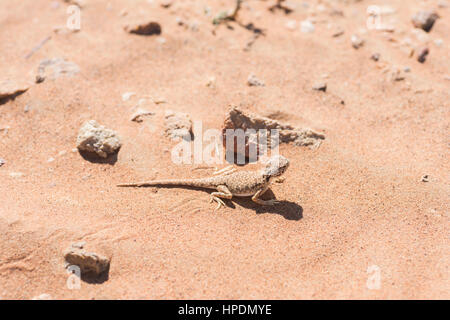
[[321, 86], [90, 263], [178, 125], [10, 89], [422, 55], [238, 119], [55, 68], [375, 57], [2, 162], [357, 42], [253, 81], [44, 296], [425, 178], [144, 29], [140, 114], [95, 138], [425, 19], [307, 26]]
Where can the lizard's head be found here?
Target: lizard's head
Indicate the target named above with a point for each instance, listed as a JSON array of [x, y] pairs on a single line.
[[276, 166]]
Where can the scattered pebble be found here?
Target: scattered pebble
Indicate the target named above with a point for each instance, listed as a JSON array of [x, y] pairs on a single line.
[[16, 174], [44, 296], [425, 19], [55, 68], [139, 114], [166, 3], [127, 95], [51, 159], [10, 89], [338, 33], [178, 125], [90, 263], [2, 162], [27, 108], [146, 29], [291, 25], [94, 137], [321, 86], [253, 81], [357, 42], [375, 57], [307, 26], [422, 55], [438, 42], [425, 178], [407, 69]]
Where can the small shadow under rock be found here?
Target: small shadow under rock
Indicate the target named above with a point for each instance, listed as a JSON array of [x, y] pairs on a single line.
[[94, 158], [96, 279]]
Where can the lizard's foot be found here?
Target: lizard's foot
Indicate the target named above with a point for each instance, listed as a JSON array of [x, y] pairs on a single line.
[[271, 202], [218, 200]]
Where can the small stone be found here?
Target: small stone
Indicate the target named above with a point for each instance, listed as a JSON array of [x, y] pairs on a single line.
[[438, 42], [178, 125], [44, 296], [51, 159], [422, 56], [62, 153], [9, 90], [253, 81], [425, 178], [127, 95], [145, 29], [321, 86], [407, 69], [56, 68], [375, 57], [139, 114], [338, 33], [357, 42], [307, 26], [291, 25], [211, 83], [27, 108], [94, 137], [90, 263], [2, 162], [16, 174], [425, 19], [166, 3]]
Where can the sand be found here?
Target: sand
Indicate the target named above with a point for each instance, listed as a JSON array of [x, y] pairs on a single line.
[[355, 220]]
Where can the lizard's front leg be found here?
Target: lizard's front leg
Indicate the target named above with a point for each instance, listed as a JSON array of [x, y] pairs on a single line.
[[259, 193], [222, 192]]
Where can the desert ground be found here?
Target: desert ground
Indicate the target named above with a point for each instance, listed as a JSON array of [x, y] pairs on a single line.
[[363, 215]]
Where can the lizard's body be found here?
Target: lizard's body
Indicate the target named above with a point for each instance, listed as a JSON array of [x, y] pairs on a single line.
[[239, 184]]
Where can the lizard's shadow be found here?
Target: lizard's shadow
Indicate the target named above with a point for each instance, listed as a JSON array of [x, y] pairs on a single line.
[[287, 209]]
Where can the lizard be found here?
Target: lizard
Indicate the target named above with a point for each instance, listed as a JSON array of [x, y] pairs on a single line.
[[240, 184]]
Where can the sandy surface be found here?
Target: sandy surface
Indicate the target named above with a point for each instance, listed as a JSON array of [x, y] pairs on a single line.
[[355, 202]]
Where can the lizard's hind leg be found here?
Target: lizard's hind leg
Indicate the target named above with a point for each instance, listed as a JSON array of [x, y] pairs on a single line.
[[222, 192]]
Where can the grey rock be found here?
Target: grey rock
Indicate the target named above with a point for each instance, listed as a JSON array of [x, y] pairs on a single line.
[[178, 125], [56, 68], [90, 263], [94, 137], [425, 19]]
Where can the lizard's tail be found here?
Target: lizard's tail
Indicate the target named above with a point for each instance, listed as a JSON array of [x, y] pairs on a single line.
[[201, 183]]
